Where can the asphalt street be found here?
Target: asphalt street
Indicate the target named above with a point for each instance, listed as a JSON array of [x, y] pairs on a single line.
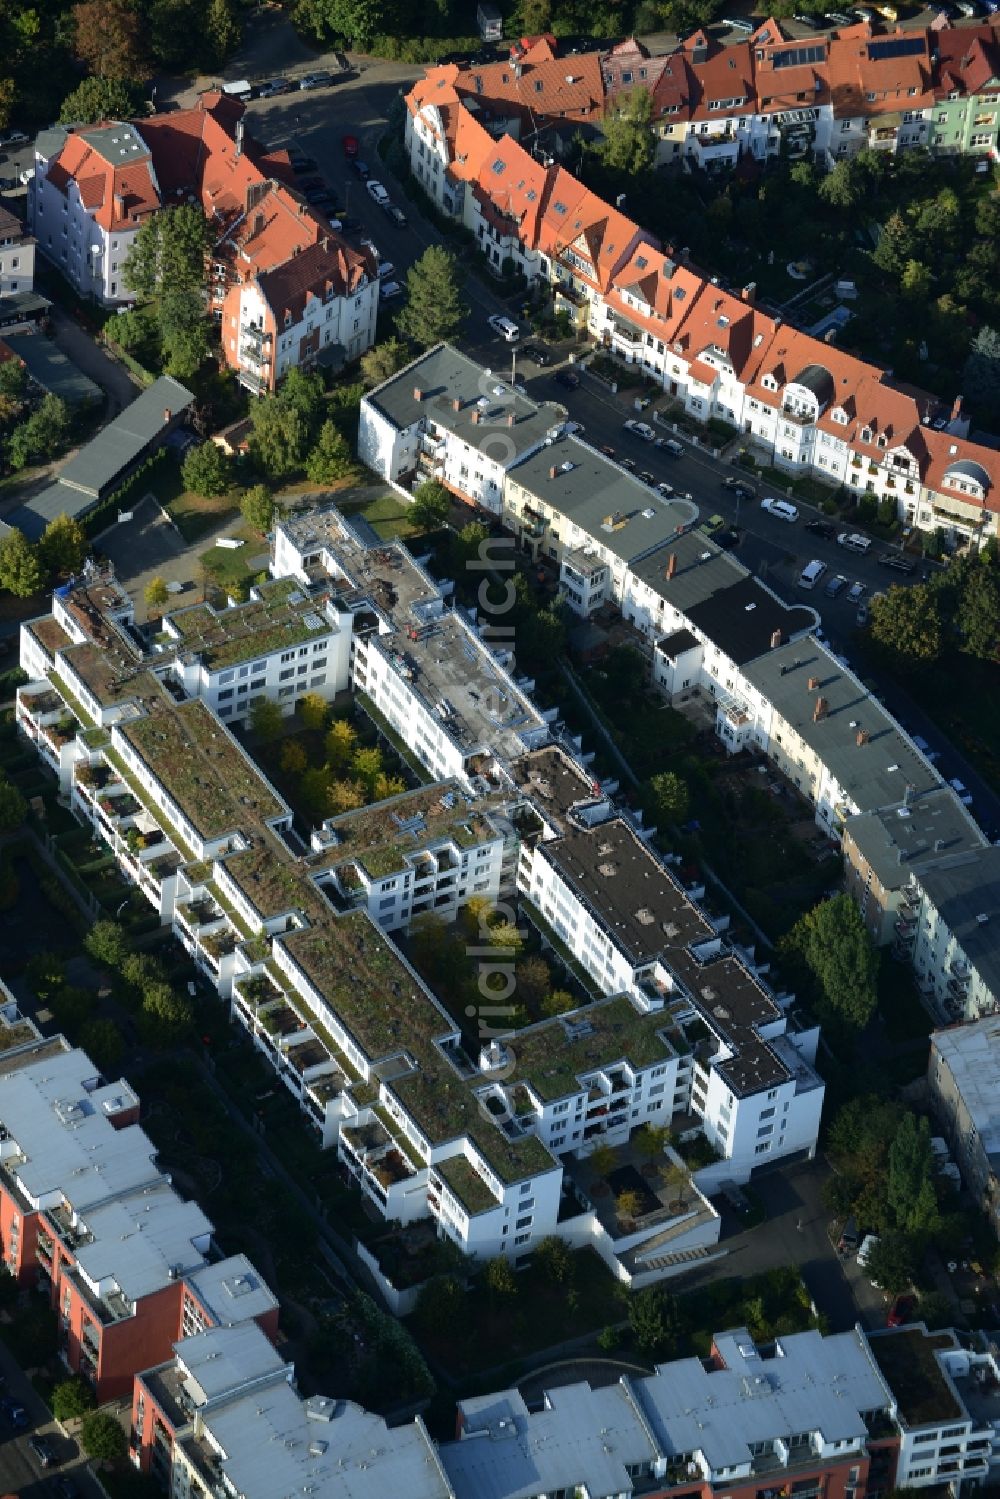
[[20, 1470]]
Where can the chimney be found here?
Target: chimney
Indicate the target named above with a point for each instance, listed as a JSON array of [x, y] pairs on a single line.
[[749, 293], [167, 414], [239, 139], [812, 684], [475, 416], [418, 394], [325, 243], [553, 471], [938, 845], [456, 403], [672, 566], [819, 709], [861, 737], [511, 418], [956, 410], [775, 640], [119, 206]]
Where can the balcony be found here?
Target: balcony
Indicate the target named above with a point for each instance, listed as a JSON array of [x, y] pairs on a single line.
[[626, 333], [800, 418], [532, 524], [254, 335]]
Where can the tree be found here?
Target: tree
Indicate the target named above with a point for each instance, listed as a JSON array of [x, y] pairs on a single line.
[[629, 144], [259, 508], [651, 1140], [340, 744], [167, 1016], [345, 796], [72, 1398], [100, 99], [832, 943], [266, 719], [205, 470], [106, 943], [910, 1190], [312, 710], [167, 255], [102, 1437], [102, 1040], [500, 1279], [222, 29], [279, 438], [981, 375], [655, 1321], [20, 573], [628, 1205], [555, 1260], [916, 281], [434, 309], [63, 546], [156, 595], [302, 391], [907, 622], [108, 38], [366, 765], [441, 1303], [42, 435], [13, 807], [183, 332], [293, 757], [383, 361], [557, 1002], [330, 459], [978, 616], [431, 506], [890, 1263], [669, 796], [602, 1160], [534, 980], [13, 378]]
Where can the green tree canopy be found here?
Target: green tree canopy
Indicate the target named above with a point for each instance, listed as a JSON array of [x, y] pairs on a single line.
[[266, 719], [434, 309], [657, 1324], [629, 143], [100, 99], [910, 1189], [890, 1263], [205, 470], [156, 595], [669, 797], [108, 38], [63, 546], [383, 361], [72, 1398], [330, 459], [20, 571], [42, 435], [431, 506], [102, 1437], [13, 378], [106, 943], [981, 375], [907, 622], [833, 945], [168, 253], [978, 616], [259, 508], [280, 436], [102, 1040]]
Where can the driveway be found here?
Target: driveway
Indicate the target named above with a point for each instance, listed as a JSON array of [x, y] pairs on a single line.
[[88, 356]]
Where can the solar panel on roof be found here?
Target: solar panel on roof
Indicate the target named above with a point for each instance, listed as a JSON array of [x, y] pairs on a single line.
[[895, 46], [797, 56]]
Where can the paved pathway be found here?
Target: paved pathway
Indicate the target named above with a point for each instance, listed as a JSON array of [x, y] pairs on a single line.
[[88, 356]]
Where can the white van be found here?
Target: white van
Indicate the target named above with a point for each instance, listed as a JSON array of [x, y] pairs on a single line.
[[240, 90], [854, 540], [810, 575]]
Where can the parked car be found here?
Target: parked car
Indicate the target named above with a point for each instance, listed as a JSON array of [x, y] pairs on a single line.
[[316, 80], [308, 183], [43, 1450], [647, 477], [739, 486], [838, 18], [862, 618], [362, 168], [300, 161], [780, 509], [639, 429], [390, 289], [670, 445], [25, 177], [376, 191], [538, 356], [63, 1487], [397, 215], [848, 1241], [385, 268], [14, 138], [855, 592], [811, 22], [897, 562], [867, 1245], [901, 1310], [854, 540], [821, 528], [608, 451], [14, 1412], [508, 330], [811, 573], [319, 197], [568, 379], [350, 145], [628, 463], [836, 586], [665, 489], [274, 87]]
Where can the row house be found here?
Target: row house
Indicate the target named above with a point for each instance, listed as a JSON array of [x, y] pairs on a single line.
[[947, 931], [966, 114], [17, 261], [87, 1216], [222, 1414]]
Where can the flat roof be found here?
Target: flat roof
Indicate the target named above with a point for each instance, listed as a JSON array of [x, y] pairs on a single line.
[[49, 367], [814, 1383], [972, 1054], [743, 619], [922, 1387], [384, 836], [275, 1443], [555, 782], [872, 774], [583, 1439], [677, 643], [220, 1359], [627, 888], [444, 377], [700, 570], [233, 1290], [282, 617], [603, 499], [894, 841], [965, 889], [554, 1055], [142, 1241]]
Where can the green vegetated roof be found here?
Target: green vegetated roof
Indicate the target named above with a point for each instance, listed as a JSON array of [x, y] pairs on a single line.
[[108, 674], [378, 837], [272, 882], [201, 767], [50, 633], [281, 619], [466, 1183], [906, 1357], [551, 1057]]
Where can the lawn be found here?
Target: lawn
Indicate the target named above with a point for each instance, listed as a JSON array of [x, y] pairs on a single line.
[[387, 514], [233, 567], [194, 516]]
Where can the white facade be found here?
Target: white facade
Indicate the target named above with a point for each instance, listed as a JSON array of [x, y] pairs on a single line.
[[67, 233], [17, 264]]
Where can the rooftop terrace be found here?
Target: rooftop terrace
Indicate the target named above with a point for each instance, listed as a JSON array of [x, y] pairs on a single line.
[[554, 781]]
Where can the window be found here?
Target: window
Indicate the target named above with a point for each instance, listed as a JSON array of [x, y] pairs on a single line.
[[284, 675]]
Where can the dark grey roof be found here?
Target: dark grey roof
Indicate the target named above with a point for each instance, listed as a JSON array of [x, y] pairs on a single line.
[[55, 499], [49, 143], [819, 380], [49, 367], [443, 376], [743, 620], [701, 569], [119, 143], [676, 644], [618, 512], [967, 469], [964, 890], [96, 467], [897, 840], [872, 774]]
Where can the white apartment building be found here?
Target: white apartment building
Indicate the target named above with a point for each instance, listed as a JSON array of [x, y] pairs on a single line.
[[444, 417], [17, 256], [947, 930]]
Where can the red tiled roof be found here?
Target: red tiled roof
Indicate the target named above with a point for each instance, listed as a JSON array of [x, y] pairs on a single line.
[[538, 84], [330, 266]]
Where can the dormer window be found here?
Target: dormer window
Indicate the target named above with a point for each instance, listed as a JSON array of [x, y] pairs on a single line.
[[883, 441], [866, 434]]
